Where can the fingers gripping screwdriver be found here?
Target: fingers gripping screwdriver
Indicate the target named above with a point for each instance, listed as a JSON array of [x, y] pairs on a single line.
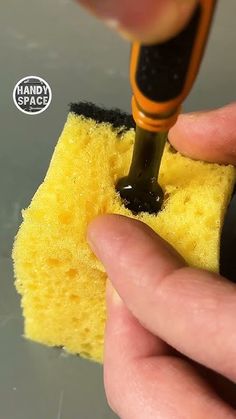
[[161, 77]]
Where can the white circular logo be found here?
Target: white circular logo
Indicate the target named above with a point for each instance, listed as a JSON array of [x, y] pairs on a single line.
[[32, 95]]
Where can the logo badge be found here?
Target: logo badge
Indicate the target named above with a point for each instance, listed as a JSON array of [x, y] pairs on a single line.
[[32, 95]]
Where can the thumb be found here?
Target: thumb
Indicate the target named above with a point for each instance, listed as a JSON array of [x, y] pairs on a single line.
[[193, 311], [147, 21]]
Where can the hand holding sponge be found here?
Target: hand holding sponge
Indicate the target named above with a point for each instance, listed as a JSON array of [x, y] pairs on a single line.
[[61, 282]]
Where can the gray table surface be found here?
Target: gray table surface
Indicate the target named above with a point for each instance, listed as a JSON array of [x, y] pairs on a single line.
[[81, 60]]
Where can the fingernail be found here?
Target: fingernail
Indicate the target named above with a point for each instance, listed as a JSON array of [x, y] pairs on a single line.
[[112, 294], [192, 116], [92, 241], [147, 20], [112, 23], [115, 25]]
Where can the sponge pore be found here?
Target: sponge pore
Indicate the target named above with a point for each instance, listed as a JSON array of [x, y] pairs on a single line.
[[61, 282]]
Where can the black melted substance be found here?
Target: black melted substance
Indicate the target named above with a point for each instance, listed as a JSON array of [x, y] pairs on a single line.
[[140, 190]]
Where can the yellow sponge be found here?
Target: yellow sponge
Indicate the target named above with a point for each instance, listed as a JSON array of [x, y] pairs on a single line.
[[61, 282]]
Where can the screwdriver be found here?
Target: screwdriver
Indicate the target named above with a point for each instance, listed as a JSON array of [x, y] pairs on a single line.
[[161, 77]]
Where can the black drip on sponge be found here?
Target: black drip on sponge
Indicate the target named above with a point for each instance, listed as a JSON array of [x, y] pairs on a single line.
[[139, 190], [115, 117]]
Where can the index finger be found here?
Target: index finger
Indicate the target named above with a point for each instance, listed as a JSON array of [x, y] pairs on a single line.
[[208, 136]]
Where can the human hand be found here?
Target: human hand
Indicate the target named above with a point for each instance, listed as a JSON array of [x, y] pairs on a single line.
[[145, 20], [170, 340]]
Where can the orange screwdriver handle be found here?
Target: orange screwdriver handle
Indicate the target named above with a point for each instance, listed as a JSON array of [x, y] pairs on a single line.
[[162, 74]]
